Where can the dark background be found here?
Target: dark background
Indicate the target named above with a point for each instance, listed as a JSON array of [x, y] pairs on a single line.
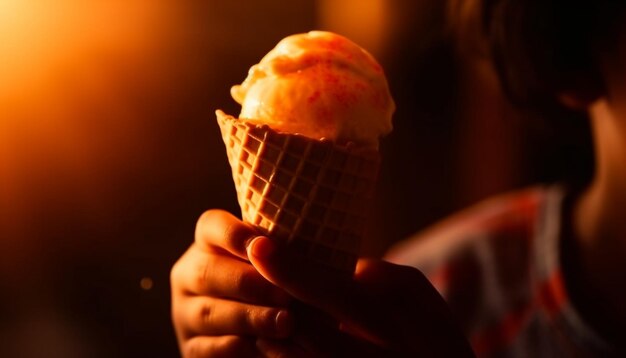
[[109, 150]]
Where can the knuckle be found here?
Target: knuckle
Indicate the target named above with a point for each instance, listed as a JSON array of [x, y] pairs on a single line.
[[244, 282], [178, 272], [175, 274], [205, 220], [206, 313], [179, 276], [220, 228], [193, 273]]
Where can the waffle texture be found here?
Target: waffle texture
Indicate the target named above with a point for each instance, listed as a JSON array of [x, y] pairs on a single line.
[[312, 194]]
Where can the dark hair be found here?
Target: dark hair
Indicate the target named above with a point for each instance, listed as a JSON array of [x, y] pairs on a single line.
[[542, 48]]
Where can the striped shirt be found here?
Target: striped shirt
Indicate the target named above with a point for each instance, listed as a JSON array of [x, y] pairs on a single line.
[[497, 265]]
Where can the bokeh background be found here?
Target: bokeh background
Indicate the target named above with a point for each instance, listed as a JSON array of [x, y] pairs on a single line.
[[109, 150]]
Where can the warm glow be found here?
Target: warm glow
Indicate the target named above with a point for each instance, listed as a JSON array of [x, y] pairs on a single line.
[[57, 59], [75, 77], [40, 41], [366, 22]]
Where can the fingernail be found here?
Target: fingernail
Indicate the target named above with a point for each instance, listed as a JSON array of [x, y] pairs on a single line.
[[261, 247], [284, 323]]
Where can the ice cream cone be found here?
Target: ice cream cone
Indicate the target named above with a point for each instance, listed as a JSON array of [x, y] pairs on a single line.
[[311, 194]]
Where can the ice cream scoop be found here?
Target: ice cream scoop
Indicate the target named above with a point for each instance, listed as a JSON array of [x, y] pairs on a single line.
[[320, 85]]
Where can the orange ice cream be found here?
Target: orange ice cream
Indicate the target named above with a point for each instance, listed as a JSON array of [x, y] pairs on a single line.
[[320, 85]]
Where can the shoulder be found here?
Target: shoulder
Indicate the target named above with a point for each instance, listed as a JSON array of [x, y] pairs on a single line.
[[511, 216], [481, 261]]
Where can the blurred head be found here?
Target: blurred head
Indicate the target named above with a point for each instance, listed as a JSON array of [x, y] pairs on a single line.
[[550, 53]]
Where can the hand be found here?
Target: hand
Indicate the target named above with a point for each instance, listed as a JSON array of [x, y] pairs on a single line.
[[385, 310], [220, 303], [222, 306]]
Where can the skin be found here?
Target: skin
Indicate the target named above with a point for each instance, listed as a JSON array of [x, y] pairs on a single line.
[[599, 232], [235, 293]]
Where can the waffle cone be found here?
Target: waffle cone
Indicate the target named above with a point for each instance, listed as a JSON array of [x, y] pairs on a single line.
[[311, 194]]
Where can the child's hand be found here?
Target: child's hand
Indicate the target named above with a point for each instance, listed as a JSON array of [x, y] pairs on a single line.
[[220, 303], [385, 310]]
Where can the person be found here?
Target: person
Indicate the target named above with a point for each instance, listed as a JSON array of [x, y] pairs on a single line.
[[537, 272]]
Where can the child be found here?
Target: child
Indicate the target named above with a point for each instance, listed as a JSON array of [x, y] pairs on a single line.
[[538, 272]]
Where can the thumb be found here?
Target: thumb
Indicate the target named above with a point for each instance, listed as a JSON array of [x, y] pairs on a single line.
[[358, 302], [390, 305], [307, 280]]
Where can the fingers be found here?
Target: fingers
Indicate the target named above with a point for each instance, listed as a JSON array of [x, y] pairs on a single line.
[[220, 230], [199, 273], [202, 316], [217, 347], [316, 285]]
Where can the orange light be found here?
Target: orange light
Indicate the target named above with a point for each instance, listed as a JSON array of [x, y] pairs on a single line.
[[73, 75], [366, 22], [39, 38]]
